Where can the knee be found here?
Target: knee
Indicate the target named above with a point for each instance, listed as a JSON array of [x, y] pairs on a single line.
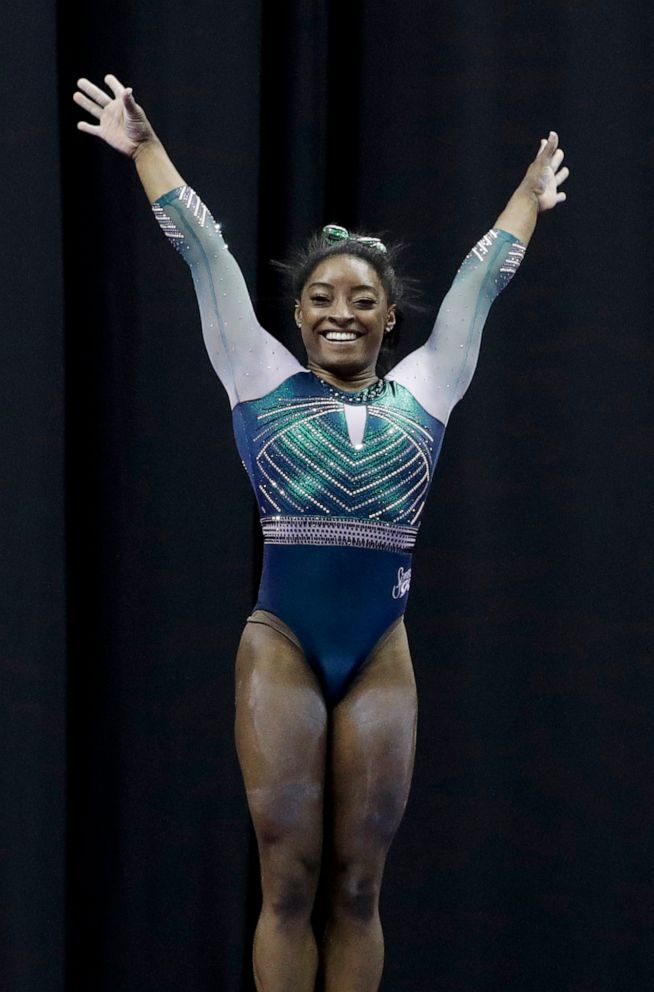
[[356, 883], [355, 892], [289, 835], [289, 883]]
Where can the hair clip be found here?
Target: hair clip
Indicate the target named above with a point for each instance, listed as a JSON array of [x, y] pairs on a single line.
[[334, 233]]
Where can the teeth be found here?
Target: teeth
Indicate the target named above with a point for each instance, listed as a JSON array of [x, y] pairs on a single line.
[[341, 336]]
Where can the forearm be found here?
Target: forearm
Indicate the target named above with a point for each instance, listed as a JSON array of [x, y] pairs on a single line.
[[520, 214], [157, 173]]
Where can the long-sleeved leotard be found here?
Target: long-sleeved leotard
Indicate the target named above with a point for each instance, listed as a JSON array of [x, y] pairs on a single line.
[[340, 478]]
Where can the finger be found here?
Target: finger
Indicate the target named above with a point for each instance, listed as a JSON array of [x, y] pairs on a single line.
[[557, 158], [94, 92], [561, 176], [561, 197], [128, 101], [114, 85], [86, 104], [88, 128]]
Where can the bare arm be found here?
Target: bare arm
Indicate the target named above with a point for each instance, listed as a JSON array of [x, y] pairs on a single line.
[[157, 173]]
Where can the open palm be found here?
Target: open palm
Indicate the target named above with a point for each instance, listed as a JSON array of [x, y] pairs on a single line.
[[122, 123], [545, 174]]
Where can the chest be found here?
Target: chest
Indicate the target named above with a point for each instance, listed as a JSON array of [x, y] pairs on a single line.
[[314, 454]]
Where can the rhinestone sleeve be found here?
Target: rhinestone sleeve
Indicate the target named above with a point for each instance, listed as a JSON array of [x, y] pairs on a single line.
[[439, 372], [248, 360]]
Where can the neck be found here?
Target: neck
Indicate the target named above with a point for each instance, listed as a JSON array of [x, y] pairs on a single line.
[[348, 383]]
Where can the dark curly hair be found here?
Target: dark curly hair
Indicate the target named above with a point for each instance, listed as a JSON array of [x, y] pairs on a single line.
[[305, 260]]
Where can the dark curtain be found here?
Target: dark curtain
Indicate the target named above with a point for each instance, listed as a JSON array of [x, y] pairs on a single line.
[[130, 549]]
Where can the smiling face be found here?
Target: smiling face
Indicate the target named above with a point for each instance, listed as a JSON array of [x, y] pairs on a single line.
[[343, 314]]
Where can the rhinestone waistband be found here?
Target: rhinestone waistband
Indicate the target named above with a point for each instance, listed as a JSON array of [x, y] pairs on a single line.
[[339, 532]]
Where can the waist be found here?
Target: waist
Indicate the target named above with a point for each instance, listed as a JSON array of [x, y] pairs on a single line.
[[346, 532]]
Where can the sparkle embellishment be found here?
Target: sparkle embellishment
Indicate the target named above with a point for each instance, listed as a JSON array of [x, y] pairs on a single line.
[[510, 263], [483, 245], [333, 234], [364, 395], [190, 199], [338, 532], [170, 229], [303, 462], [514, 257]]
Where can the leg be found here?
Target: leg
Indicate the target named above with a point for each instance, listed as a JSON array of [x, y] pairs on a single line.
[[281, 740], [371, 766]]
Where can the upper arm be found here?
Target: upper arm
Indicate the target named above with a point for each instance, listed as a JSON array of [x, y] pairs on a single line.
[[248, 360], [439, 372]]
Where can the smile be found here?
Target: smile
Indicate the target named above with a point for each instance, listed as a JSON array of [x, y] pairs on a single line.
[[340, 335]]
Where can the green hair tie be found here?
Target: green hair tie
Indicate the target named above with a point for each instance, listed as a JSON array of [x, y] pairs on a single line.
[[333, 234]]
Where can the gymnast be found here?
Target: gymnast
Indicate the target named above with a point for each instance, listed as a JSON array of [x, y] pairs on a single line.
[[340, 461]]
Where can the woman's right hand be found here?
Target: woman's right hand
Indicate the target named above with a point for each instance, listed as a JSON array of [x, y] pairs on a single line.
[[122, 123]]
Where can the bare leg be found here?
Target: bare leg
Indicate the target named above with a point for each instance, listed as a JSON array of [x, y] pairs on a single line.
[[372, 756], [281, 741]]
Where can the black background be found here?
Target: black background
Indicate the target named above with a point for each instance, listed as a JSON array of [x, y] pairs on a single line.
[[130, 547]]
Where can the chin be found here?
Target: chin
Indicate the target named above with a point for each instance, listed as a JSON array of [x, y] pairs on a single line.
[[346, 356]]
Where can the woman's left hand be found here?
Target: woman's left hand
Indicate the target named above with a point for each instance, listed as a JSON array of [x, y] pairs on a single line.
[[545, 175]]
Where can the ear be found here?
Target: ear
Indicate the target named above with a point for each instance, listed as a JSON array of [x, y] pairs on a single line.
[[391, 317], [297, 313]]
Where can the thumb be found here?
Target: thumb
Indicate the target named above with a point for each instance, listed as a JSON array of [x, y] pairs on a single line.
[[129, 102], [548, 145]]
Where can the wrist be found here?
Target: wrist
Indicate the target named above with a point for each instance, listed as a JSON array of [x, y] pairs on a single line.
[[157, 173], [520, 214], [528, 194], [146, 147]]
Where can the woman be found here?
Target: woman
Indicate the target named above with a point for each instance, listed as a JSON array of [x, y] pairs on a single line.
[[340, 462]]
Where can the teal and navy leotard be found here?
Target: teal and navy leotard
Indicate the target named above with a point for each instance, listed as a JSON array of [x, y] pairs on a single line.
[[340, 479]]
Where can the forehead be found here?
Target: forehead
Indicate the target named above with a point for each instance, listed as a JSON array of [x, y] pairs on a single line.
[[345, 270]]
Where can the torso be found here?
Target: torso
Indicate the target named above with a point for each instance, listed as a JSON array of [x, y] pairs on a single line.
[[341, 482]]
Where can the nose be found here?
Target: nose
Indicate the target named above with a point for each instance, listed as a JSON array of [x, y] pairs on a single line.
[[341, 313]]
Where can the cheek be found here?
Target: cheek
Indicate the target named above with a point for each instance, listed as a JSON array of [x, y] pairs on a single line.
[[307, 339], [377, 330]]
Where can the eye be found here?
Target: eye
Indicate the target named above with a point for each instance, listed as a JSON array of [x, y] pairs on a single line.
[[319, 298], [365, 304]]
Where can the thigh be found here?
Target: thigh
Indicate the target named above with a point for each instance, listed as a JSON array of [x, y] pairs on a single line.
[[281, 725], [372, 753]]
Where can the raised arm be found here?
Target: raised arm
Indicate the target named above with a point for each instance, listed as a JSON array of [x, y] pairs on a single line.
[[439, 372], [539, 191], [248, 360], [123, 125]]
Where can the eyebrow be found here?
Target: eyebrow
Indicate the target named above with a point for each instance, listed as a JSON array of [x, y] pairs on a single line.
[[330, 285]]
